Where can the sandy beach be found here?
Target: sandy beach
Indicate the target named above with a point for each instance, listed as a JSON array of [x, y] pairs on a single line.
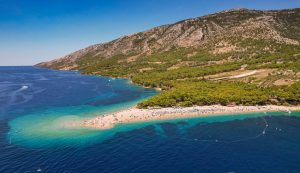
[[134, 114]]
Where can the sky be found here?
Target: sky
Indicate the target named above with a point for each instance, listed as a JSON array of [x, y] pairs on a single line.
[[33, 31]]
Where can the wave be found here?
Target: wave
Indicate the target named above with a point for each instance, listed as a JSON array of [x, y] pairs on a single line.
[[41, 78]]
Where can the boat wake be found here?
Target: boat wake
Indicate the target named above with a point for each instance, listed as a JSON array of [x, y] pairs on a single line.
[[24, 87]]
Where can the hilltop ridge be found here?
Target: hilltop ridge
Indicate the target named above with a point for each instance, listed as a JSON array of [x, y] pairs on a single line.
[[193, 32]]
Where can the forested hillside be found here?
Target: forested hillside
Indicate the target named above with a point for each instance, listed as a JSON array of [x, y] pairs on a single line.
[[239, 56]]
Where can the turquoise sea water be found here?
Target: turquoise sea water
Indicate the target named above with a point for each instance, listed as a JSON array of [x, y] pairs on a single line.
[[35, 105], [48, 126]]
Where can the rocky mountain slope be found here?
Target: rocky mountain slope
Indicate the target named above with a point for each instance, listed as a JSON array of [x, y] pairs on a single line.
[[219, 31], [239, 56]]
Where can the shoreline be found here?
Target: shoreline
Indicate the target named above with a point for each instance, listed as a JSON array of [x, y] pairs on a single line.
[[134, 115]]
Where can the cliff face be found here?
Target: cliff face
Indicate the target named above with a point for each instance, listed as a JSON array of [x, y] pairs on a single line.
[[220, 33]]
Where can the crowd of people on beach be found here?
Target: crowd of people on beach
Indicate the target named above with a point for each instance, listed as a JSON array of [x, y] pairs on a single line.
[[138, 115]]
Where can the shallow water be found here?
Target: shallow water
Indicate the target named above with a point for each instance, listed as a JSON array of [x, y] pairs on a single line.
[[40, 103], [36, 103]]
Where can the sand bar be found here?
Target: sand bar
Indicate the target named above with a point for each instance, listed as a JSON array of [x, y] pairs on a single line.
[[134, 114]]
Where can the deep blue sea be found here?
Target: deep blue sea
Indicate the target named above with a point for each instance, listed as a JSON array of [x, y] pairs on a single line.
[[35, 103]]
